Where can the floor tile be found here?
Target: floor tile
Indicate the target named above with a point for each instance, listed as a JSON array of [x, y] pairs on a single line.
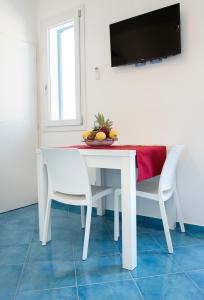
[[73, 224], [12, 235], [76, 210], [151, 223], [24, 214], [47, 275], [142, 226], [2, 219], [145, 242], [169, 287], [99, 220], [190, 258], [96, 248], [13, 255], [100, 269], [61, 222], [74, 232], [59, 209], [178, 238], [54, 250], [110, 225], [99, 231], [156, 262], [125, 290], [8, 280], [23, 221], [54, 294], [8, 297], [59, 212], [144, 231], [141, 229], [194, 228], [198, 278], [50, 270], [61, 234], [197, 233]]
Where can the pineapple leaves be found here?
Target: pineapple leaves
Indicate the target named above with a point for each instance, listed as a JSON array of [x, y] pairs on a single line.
[[103, 122]]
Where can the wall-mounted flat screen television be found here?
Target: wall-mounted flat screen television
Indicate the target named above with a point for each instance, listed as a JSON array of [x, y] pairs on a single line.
[[150, 36]]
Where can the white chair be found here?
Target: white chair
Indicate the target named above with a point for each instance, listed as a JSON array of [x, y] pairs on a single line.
[[68, 183], [158, 191]]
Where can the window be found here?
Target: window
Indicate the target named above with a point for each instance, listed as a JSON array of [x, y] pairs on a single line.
[[65, 71]]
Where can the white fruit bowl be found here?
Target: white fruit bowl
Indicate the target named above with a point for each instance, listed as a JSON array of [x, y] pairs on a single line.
[[106, 142]]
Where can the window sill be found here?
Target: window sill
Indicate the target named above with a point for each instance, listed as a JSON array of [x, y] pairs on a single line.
[[61, 127]]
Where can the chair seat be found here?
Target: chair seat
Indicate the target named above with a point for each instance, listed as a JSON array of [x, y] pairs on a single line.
[[97, 193], [148, 189], [68, 198]]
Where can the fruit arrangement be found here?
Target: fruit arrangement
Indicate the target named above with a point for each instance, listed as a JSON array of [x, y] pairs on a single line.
[[102, 134]]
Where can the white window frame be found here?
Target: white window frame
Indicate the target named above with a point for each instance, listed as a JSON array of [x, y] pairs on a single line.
[[77, 15]]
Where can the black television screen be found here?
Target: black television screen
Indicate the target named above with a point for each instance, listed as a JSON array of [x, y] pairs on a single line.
[[150, 36]]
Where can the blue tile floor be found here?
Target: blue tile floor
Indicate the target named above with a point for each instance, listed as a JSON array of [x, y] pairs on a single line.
[[29, 271]]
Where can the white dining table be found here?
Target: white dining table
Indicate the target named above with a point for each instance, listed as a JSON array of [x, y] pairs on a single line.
[[123, 160]]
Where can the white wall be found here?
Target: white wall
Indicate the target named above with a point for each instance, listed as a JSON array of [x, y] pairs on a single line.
[[18, 130], [154, 104], [18, 19]]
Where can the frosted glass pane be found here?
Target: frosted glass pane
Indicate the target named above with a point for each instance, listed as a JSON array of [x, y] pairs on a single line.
[[53, 74], [68, 94], [62, 72]]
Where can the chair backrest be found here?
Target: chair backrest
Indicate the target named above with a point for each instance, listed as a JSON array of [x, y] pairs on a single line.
[[67, 171], [168, 175]]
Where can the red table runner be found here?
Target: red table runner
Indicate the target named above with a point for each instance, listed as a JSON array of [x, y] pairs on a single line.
[[149, 159]]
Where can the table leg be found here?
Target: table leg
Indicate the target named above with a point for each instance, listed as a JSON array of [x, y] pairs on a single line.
[[42, 193], [101, 204], [128, 199]]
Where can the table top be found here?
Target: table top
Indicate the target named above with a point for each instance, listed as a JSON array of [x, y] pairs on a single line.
[[148, 159]]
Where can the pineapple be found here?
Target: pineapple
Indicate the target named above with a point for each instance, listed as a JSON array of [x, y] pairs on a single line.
[[104, 125]]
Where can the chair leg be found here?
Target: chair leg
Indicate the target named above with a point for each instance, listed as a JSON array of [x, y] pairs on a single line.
[[179, 211], [116, 215], [166, 226], [46, 222], [87, 232], [82, 217]]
